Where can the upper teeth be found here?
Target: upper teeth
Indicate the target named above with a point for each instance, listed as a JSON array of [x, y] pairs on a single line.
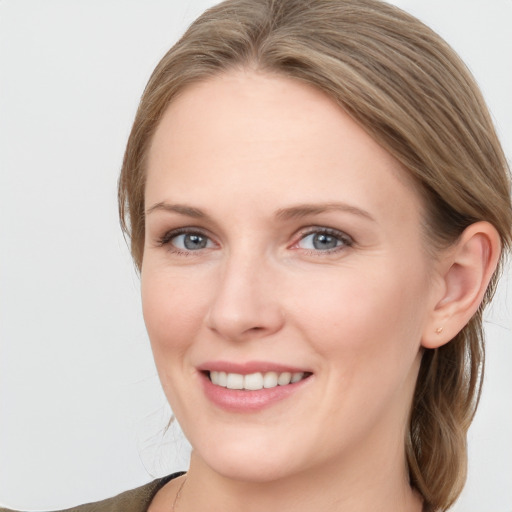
[[254, 381]]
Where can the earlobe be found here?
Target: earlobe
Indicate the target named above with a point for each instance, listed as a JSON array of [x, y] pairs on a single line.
[[467, 269]]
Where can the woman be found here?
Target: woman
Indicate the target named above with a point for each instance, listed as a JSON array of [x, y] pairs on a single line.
[[318, 205]]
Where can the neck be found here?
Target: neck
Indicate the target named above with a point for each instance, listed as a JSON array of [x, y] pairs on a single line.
[[330, 489]]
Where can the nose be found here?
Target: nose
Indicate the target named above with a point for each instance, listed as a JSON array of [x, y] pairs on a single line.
[[245, 303]]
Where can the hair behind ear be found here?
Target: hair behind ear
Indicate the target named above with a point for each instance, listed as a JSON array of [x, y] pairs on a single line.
[[444, 404]]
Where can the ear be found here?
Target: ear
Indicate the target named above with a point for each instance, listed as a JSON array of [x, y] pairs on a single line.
[[465, 270]]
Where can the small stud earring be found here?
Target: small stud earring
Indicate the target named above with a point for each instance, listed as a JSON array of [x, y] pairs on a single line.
[[439, 330]]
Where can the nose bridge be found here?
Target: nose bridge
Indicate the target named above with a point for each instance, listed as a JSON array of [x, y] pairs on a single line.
[[244, 304]]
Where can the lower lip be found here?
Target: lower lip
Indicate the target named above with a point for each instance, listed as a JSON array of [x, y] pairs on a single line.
[[239, 400]]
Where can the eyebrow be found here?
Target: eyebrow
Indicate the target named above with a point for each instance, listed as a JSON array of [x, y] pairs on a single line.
[[304, 210], [290, 213], [182, 209]]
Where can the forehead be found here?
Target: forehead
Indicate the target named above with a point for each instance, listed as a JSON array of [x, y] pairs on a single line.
[[263, 135]]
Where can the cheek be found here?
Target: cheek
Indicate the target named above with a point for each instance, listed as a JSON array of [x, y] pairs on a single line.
[[361, 313], [366, 328], [172, 306]]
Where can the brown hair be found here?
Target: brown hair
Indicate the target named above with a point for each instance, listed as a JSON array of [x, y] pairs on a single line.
[[410, 91]]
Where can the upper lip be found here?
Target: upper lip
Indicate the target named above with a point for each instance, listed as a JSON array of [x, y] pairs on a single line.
[[248, 367]]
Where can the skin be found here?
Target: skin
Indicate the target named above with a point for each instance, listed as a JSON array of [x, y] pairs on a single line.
[[242, 148]]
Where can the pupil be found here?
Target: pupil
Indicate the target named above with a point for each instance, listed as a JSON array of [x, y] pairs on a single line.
[[193, 242], [323, 242]]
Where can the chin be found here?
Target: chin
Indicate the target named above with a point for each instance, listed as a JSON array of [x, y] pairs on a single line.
[[255, 470], [259, 461]]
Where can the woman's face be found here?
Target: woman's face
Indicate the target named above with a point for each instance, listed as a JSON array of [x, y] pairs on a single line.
[[282, 242]]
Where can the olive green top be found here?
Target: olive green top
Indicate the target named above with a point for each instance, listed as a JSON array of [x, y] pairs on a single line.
[[136, 500]]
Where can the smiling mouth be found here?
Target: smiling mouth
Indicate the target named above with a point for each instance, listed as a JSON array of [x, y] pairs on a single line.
[[255, 381]]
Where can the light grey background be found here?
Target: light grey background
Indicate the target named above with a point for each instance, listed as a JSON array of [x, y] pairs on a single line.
[[81, 410]]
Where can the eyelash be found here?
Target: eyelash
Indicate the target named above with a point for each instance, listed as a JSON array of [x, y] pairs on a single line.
[[345, 240]]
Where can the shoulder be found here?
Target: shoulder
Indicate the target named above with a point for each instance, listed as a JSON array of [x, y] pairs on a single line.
[[136, 500]]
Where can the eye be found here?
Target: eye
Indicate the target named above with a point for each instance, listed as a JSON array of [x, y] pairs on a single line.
[[190, 241], [325, 240], [186, 241]]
